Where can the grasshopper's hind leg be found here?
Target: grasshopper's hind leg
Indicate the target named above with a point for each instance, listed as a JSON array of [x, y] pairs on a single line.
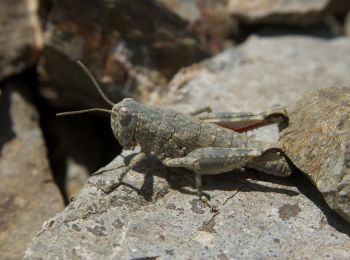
[[213, 160], [245, 121]]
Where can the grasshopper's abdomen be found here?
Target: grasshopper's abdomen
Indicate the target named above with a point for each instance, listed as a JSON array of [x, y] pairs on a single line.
[[192, 133], [156, 128]]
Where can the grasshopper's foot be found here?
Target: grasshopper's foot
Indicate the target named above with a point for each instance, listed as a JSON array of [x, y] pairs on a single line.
[[201, 110], [106, 188], [207, 203], [110, 187], [134, 162]]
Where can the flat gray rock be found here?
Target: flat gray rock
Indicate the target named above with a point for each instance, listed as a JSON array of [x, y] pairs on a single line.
[[155, 213]]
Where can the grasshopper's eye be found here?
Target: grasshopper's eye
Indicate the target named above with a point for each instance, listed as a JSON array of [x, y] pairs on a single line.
[[125, 116]]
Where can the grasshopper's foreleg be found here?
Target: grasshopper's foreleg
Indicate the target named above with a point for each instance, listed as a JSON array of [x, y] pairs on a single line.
[[213, 160], [245, 121], [201, 110], [133, 163]]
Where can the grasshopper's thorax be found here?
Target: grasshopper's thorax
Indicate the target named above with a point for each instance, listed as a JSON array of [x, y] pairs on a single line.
[[124, 120]]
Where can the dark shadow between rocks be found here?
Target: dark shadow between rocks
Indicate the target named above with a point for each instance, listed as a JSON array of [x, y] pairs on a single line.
[[329, 29], [66, 77], [6, 132], [319, 31], [23, 84], [87, 140]]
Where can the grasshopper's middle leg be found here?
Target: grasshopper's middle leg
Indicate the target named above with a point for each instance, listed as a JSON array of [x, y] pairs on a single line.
[[244, 121]]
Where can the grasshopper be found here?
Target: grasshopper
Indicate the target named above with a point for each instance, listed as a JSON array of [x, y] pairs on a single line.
[[194, 141]]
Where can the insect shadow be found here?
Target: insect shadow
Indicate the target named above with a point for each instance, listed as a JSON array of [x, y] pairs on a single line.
[[6, 130], [180, 179]]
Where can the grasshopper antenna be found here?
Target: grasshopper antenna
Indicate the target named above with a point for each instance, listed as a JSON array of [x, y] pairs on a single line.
[[98, 87], [92, 78], [86, 111]]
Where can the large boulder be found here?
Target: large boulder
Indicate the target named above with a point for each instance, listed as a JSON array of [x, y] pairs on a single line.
[[316, 140]]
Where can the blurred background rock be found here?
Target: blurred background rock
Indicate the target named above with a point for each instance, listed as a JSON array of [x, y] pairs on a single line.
[[156, 51]]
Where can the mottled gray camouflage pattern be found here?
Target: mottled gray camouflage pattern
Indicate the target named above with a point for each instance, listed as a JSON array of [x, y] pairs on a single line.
[[170, 135]]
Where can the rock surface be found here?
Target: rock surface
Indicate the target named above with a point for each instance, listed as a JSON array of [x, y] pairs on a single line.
[[156, 213], [131, 46], [21, 37], [317, 141], [296, 12], [28, 194]]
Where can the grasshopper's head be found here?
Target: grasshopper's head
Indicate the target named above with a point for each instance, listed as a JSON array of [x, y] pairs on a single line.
[[123, 114], [123, 121]]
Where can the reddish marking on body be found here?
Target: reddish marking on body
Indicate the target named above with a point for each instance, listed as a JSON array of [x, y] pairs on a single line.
[[244, 129]]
